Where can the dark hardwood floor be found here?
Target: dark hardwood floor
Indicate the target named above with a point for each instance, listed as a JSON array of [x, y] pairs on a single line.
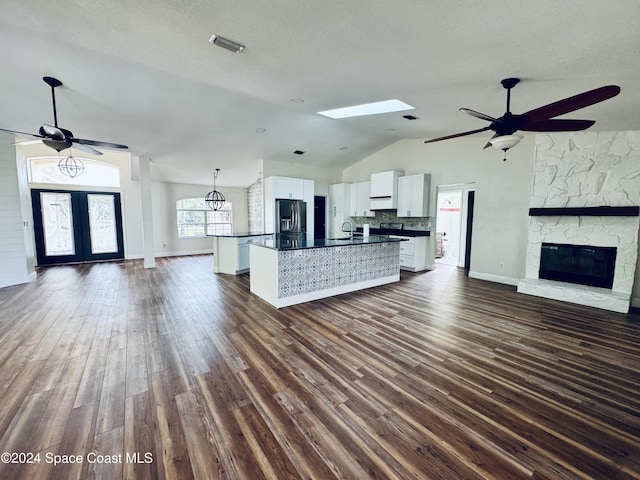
[[109, 366]]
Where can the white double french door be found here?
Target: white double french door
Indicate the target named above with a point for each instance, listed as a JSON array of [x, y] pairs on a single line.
[[73, 226]]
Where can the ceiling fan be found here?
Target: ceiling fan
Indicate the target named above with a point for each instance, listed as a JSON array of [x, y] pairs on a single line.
[[539, 119], [60, 138]]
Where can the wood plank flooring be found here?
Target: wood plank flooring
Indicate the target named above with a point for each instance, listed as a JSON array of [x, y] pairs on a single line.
[[177, 373]]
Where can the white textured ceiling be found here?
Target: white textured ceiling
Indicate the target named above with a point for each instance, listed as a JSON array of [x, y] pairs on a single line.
[[143, 73]]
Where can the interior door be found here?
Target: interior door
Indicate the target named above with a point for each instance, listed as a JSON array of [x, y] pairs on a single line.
[[319, 217], [73, 226], [471, 195]]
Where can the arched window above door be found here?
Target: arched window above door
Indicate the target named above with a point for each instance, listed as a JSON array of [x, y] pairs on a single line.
[[96, 174]]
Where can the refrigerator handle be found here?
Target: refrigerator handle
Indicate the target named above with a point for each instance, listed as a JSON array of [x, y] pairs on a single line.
[[293, 217]]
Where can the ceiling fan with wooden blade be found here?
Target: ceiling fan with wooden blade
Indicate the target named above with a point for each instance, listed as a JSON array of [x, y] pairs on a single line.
[[60, 138], [539, 119]]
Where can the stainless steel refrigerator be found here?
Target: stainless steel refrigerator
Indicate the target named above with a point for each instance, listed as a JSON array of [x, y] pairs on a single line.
[[291, 219]]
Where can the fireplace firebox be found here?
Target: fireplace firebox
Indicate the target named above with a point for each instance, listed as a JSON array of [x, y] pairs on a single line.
[[581, 264]]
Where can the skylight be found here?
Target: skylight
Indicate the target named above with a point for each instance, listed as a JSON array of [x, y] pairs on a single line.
[[375, 108]]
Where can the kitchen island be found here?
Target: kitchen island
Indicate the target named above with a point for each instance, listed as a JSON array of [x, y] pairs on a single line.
[[231, 252], [285, 274]]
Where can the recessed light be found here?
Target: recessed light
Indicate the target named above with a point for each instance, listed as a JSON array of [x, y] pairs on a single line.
[[375, 108], [297, 100], [226, 43], [261, 130], [344, 148]]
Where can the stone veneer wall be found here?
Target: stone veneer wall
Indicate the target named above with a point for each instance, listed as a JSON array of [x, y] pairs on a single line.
[[254, 204], [586, 169]]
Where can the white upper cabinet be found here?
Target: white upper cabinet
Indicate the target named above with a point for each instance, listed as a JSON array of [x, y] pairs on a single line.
[[413, 195], [384, 190], [359, 200], [288, 188]]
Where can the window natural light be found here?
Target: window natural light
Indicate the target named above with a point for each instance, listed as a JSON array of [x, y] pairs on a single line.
[[195, 219], [96, 173]]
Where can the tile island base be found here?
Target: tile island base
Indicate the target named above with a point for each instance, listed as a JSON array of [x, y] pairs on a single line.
[[292, 276]]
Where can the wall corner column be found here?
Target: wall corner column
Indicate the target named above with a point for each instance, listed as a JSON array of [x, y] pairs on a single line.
[[147, 212]]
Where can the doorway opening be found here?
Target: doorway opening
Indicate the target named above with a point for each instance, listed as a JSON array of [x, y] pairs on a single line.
[[454, 224], [76, 226], [319, 217]]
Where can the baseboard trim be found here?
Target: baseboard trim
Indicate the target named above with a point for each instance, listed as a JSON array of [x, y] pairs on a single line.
[[494, 278], [140, 256], [19, 280]]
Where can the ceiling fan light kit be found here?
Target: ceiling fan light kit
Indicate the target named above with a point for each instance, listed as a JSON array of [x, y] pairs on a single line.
[[59, 138], [540, 119], [505, 142]]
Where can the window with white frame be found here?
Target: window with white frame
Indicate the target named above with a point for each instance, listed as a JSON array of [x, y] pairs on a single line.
[[96, 173], [195, 219]]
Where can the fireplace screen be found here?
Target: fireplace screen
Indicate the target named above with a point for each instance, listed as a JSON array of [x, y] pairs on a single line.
[[582, 264]]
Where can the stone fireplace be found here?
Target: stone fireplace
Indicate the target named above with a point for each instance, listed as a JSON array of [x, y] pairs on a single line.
[[586, 192]]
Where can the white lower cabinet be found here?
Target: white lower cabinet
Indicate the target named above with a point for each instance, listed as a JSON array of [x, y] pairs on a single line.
[[413, 253], [243, 256], [231, 254]]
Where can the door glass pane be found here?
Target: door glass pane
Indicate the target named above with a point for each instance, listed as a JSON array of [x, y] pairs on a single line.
[[57, 223], [102, 223]]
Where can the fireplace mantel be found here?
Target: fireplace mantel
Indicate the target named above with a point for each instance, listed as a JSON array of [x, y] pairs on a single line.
[[629, 211]]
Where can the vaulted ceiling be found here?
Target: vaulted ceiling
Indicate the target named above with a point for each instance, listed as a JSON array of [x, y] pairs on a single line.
[[144, 74]]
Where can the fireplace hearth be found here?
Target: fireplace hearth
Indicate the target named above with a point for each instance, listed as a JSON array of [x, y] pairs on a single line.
[[580, 264]]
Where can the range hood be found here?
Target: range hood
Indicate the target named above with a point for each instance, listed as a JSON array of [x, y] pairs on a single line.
[[384, 190]]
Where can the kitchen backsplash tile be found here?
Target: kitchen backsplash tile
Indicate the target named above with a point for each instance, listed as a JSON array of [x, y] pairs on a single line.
[[410, 223]]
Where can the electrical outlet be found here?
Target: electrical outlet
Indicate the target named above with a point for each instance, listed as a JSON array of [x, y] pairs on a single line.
[[501, 265]]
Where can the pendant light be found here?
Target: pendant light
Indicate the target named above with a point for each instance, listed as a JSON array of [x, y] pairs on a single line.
[[214, 199], [71, 166]]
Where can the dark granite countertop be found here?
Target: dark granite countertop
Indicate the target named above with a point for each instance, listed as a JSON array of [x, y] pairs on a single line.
[[275, 243], [239, 235], [397, 231]]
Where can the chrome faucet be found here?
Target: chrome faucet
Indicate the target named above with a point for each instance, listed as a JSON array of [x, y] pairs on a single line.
[[350, 228]]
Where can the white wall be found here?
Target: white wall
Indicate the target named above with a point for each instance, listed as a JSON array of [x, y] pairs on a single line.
[[13, 255], [27, 213], [503, 190], [164, 197]]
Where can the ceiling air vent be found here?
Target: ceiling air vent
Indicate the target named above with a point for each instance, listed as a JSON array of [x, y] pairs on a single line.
[[410, 117], [226, 43]]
